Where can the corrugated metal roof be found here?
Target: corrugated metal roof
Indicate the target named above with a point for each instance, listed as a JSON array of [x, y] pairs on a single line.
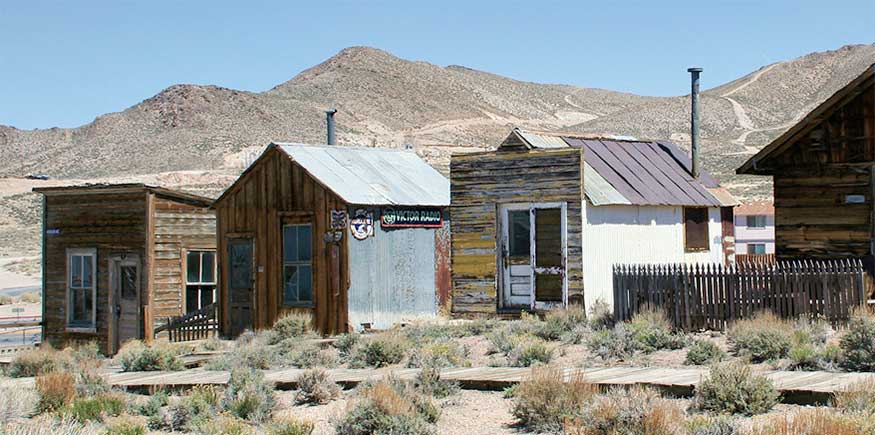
[[633, 172], [372, 176]]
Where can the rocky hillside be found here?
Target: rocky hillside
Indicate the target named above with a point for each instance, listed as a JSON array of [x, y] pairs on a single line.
[[387, 101]]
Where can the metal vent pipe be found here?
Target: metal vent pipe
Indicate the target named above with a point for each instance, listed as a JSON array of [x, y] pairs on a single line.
[[694, 119], [329, 120]]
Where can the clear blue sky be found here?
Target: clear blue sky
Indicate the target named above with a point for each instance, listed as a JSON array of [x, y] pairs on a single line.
[[63, 63]]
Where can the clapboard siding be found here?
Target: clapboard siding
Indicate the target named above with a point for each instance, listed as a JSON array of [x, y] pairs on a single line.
[[109, 223], [482, 181], [271, 188], [177, 227]]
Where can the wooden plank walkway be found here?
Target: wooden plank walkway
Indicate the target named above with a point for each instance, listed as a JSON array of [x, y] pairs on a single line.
[[797, 387]]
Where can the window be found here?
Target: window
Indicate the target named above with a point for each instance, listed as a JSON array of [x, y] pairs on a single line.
[[520, 239], [200, 279], [81, 288], [756, 248], [756, 221], [297, 264], [695, 229]]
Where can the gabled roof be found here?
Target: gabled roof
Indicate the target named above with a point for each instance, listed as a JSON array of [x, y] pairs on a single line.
[[820, 113], [627, 171], [369, 176], [110, 188]]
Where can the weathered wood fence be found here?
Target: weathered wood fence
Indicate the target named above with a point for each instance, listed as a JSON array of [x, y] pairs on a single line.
[[743, 259], [196, 325], [709, 296]]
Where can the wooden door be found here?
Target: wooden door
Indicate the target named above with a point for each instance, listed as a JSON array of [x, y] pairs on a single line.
[[125, 301], [516, 257], [548, 256], [241, 283]]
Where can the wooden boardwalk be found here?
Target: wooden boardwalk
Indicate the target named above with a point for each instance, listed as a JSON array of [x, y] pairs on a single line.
[[796, 386]]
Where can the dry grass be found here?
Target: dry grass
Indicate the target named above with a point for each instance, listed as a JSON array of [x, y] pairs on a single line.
[[55, 390], [545, 400], [638, 410], [315, 386], [763, 337], [857, 397], [16, 402], [35, 362], [813, 421]]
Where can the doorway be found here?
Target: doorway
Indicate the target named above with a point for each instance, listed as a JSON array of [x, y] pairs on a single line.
[[125, 279], [532, 255], [241, 284]]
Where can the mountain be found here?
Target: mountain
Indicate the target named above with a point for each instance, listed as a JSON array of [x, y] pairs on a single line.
[[387, 101]]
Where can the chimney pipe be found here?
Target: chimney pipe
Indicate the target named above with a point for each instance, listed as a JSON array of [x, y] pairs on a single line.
[[329, 120], [694, 122]]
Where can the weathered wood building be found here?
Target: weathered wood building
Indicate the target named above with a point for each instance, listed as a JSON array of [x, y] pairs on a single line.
[[120, 259], [357, 237], [824, 177], [540, 222]]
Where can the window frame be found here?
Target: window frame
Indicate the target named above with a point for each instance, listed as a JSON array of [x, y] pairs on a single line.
[[200, 282], [707, 222], [749, 245], [283, 264], [69, 325], [755, 217]]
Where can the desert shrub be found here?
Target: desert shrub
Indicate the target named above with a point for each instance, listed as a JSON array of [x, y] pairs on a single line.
[[136, 356], [55, 391], [712, 425], [380, 350], [559, 322], [814, 421], [429, 382], [29, 298], [249, 396], [501, 340], [211, 344], [346, 342], [704, 352], [614, 343], [6, 300], [731, 388], [291, 326], [249, 350], [315, 386], [222, 424], [288, 425], [382, 409], [199, 404], [35, 362], [601, 316], [125, 425], [577, 335], [95, 408], [857, 397], [306, 354], [474, 327], [16, 401], [637, 410], [438, 354], [762, 338], [858, 343], [529, 351], [651, 330], [153, 405], [544, 401]]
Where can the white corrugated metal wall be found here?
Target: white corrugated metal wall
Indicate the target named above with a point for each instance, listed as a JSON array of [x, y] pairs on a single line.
[[623, 234]]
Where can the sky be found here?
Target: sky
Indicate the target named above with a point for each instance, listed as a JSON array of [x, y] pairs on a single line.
[[62, 63]]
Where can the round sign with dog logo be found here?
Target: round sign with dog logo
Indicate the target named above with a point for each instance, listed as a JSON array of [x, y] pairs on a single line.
[[361, 225]]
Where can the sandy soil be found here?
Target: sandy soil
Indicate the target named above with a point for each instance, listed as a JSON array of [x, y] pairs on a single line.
[[12, 277]]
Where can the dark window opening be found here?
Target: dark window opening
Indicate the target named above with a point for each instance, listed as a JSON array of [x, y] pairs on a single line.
[[200, 280], [298, 265], [696, 229]]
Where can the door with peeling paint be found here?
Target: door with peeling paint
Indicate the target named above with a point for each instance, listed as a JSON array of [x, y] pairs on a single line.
[[533, 256]]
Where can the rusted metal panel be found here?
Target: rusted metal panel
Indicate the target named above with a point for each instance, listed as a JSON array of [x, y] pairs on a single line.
[[443, 277], [392, 276]]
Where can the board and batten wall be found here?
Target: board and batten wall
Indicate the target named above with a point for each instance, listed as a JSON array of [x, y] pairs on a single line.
[[274, 188], [393, 275], [479, 182], [109, 223], [625, 234], [177, 228]]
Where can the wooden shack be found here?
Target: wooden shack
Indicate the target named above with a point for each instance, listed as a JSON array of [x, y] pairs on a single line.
[[357, 237], [539, 223], [121, 259], [824, 177]]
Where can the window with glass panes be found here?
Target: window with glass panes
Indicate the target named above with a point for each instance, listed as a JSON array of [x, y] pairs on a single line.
[[81, 294], [200, 279], [297, 264]]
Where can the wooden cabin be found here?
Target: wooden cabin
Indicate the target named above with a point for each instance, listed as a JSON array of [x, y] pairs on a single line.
[[119, 260], [824, 177], [357, 237], [540, 222]]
